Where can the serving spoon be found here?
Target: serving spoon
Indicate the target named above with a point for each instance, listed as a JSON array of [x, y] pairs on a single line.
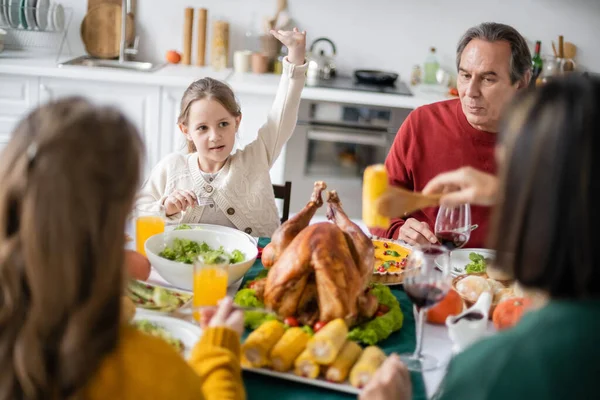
[[400, 202]]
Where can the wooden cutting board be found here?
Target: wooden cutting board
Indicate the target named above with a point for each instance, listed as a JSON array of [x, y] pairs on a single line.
[[101, 31]]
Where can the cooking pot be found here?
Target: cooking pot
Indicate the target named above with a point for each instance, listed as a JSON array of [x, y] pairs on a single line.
[[375, 77], [321, 65]]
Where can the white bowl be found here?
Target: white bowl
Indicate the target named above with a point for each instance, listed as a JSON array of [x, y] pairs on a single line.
[[181, 274], [185, 331], [220, 228]]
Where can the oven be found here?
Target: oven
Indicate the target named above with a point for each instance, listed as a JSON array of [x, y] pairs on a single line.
[[335, 142]]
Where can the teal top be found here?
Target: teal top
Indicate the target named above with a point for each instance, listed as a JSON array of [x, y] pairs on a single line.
[[553, 353]]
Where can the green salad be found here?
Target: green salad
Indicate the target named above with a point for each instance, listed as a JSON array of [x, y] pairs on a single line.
[[370, 332], [186, 251], [160, 332], [477, 265]]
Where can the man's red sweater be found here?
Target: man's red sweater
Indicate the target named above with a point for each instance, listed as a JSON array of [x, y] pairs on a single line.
[[437, 138]]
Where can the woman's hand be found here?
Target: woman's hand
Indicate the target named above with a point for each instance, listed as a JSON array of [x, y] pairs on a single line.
[[179, 201], [223, 315], [464, 185], [295, 41], [391, 381]]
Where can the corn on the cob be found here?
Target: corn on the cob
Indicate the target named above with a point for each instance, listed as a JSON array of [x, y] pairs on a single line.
[[291, 344], [327, 342], [370, 359], [306, 366], [375, 183], [339, 370], [259, 343]]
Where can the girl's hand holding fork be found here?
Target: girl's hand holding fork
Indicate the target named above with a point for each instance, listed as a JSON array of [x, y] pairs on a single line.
[[179, 201]]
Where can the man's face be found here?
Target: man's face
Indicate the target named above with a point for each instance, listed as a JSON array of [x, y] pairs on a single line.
[[484, 85]]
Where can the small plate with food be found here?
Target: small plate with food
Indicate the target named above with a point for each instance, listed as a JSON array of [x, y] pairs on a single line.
[[390, 261], [180, 334], [470, 261], [156, 298]]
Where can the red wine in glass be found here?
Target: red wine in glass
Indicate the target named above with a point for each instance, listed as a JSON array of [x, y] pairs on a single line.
[[424, 295], [452, 240]]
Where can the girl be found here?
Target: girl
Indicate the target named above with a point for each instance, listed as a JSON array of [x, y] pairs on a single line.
[[61, 271], [209, 184]]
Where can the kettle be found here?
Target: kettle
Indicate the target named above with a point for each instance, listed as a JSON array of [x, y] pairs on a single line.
[[321, 66]]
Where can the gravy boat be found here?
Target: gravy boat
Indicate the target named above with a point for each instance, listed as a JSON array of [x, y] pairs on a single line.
[[470, 325]]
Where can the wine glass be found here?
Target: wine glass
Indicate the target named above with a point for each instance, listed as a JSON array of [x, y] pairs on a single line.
[[425, 285], [453, 226]]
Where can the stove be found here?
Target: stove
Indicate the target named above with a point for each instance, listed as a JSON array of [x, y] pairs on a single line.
[[348, 83]]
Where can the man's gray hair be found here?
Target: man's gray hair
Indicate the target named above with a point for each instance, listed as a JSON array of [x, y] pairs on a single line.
[[520, 60]]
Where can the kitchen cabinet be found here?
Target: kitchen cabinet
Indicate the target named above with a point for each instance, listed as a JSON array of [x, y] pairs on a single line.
[[18, 96], [171, 138], [140, 103]]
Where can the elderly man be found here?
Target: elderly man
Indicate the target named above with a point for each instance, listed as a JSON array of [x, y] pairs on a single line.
[[493, 63]]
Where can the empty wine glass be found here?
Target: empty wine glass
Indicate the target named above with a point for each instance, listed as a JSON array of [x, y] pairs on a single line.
[[453, 226], [425, 285]]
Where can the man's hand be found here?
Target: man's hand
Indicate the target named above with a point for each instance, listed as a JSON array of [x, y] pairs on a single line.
[[464, 186], [416, 232]]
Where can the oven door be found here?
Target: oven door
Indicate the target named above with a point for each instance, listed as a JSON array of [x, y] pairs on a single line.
[[343, 152], [336, 155]]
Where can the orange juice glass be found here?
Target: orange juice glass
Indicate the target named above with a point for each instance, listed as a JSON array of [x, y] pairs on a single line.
[[149, 221], [210, 283]]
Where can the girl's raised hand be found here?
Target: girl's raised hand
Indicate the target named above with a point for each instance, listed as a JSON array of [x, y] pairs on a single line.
[[295, 41]]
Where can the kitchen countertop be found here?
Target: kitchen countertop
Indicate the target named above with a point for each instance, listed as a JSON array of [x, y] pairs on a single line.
[[181, 76]]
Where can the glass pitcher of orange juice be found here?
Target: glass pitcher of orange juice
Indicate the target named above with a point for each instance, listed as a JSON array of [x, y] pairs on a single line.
[[210, 283], [149, 221]]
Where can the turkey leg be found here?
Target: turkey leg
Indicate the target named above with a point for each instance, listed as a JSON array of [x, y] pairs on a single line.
[[284, 235]]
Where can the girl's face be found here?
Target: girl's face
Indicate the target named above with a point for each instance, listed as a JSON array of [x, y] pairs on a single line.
[[212, 129]]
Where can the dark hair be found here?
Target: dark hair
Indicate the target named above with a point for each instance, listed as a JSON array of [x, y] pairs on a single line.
[[520, 60], [207, 88], [69, 176], [545, 229]]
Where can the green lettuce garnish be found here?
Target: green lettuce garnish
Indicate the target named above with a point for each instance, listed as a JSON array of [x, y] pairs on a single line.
[[252, 319], [186, 251], [477, 264], [381, 327]]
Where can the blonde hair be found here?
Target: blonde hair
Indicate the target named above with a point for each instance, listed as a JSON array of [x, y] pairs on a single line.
[[207, 88], [69, 176]]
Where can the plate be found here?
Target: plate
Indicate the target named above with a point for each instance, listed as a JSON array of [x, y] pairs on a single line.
[[340, 387], [187, 332], [140, 303], [460, 258], [30, 13], [58, 17], [395, 274], [12, 12], [41, 14], [22, 19]]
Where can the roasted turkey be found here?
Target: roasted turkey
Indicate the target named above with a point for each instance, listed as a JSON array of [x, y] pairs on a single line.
[[319, 272]]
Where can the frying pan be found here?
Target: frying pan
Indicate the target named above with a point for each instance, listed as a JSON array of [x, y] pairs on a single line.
[[375, 77]]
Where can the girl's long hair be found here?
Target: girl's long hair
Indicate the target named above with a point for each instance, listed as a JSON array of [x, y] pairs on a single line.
[[68, 179]]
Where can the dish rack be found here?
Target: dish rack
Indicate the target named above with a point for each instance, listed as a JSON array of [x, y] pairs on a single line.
[[25, 36]]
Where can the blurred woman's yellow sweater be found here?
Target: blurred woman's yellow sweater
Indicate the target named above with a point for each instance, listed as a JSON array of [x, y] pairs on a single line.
[[145, 367]]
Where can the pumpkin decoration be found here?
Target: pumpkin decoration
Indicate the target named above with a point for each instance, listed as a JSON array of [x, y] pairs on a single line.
[[452, 304], [508, 312]]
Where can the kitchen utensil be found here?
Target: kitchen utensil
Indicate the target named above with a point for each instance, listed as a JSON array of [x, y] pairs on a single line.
[[188, 27], [375, 77], [101, 30], [470, 325], [399, 202], [260, 63], [561, 47], [22, 18], [220, 45], [321, 66], [12, 12], [41, 14], [58, 17], [270, 46], [570, 50], [95, 3], [554, 49], [201, 38]]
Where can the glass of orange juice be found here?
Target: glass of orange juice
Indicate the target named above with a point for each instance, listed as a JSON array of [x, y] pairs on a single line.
[[149, 221], [210, 282]]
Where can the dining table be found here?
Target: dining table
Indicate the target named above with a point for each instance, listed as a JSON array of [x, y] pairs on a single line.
[[435, 342]]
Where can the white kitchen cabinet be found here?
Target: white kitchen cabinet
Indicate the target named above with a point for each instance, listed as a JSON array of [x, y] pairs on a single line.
[[255, 109], [18, 96], [171, 139], [140, 103]]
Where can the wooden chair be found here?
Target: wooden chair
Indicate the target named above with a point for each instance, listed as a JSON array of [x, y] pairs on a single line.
[[284, 192]]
